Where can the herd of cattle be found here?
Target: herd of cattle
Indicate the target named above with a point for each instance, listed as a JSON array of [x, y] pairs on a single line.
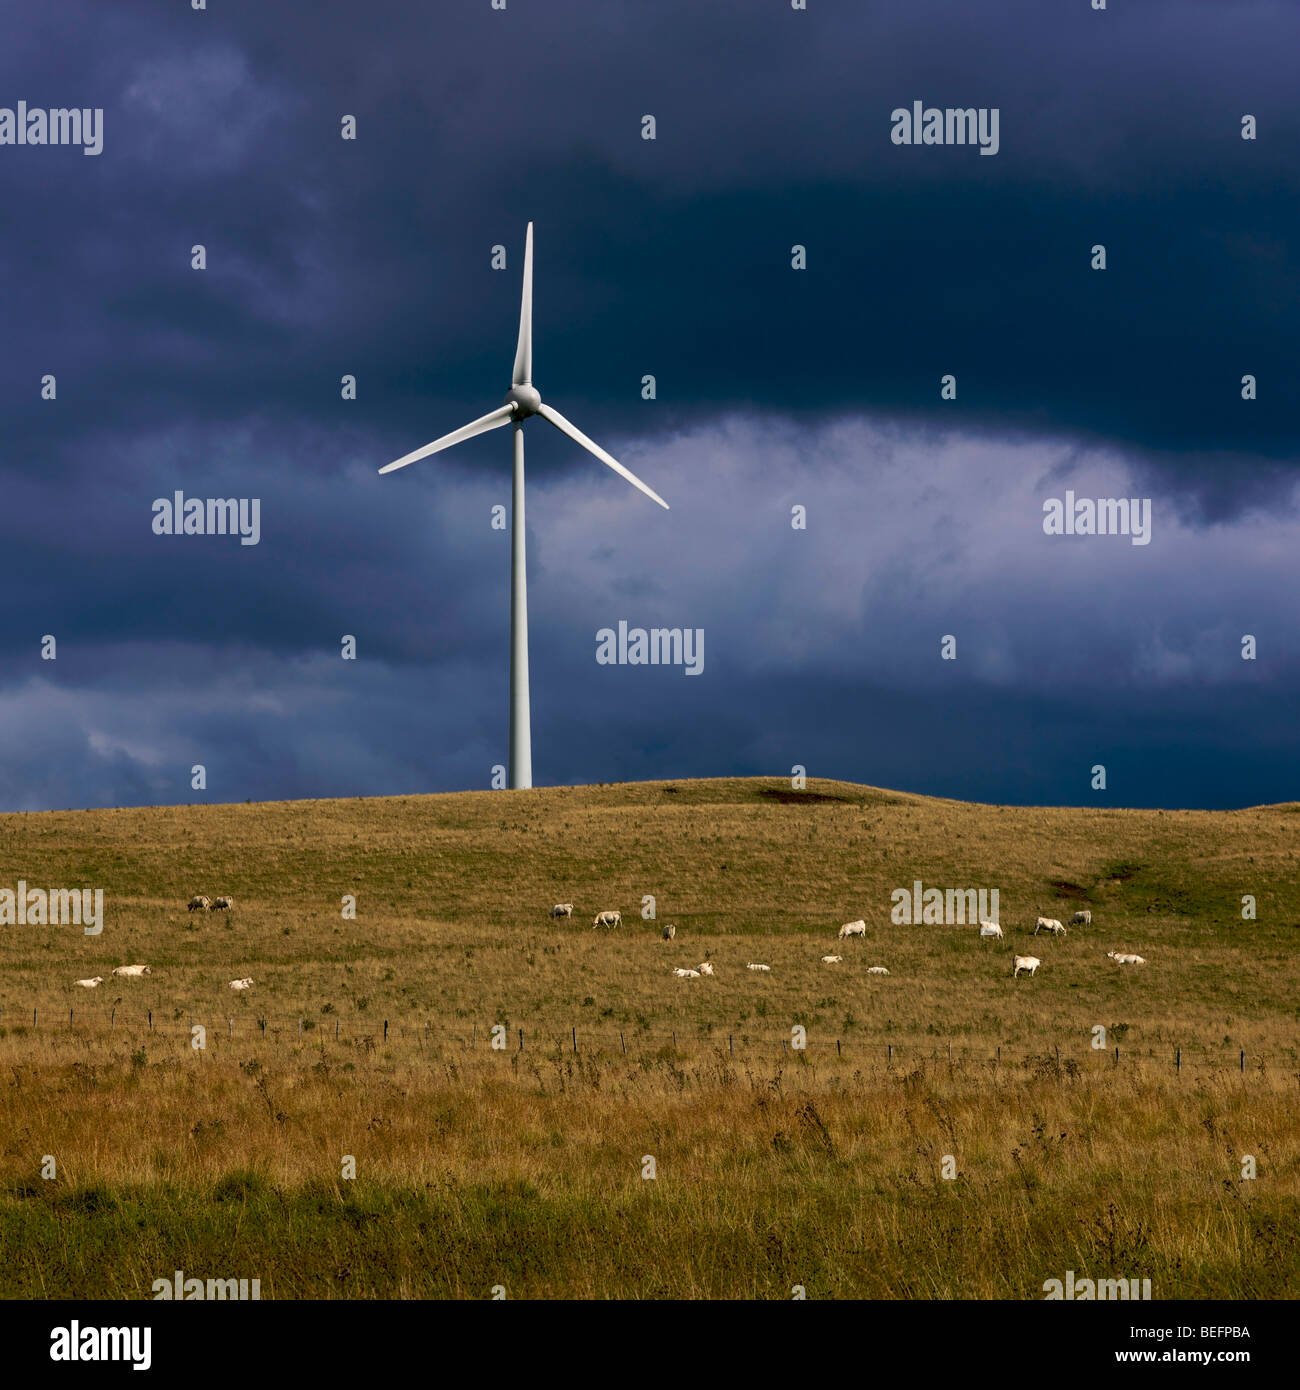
[[987, 930], [138, 972], [123, 972], [613, 918]]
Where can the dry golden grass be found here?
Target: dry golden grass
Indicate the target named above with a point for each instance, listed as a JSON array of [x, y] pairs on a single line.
[[774, 1167]]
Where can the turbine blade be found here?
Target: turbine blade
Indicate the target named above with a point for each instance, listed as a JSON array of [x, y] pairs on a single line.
[[524, 352], [568, 427], [491, 421]]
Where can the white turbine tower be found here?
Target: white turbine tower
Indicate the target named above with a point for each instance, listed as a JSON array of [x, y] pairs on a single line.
[[522, 400]]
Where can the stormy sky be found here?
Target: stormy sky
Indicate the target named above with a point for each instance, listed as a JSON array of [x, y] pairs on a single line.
[[776, 388]]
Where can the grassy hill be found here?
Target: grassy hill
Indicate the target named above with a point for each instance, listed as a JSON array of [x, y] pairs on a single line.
[[370, 1037]]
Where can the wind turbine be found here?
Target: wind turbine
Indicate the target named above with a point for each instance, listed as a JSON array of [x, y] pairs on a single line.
[[522, 401]]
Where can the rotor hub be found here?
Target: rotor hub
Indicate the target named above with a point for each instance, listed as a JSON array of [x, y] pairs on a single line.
[[525, 399]]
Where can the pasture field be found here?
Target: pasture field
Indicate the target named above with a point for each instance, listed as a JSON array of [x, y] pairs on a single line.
[[774, 1166]]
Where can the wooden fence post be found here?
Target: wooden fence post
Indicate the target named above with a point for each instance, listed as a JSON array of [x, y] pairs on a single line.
[[573, 1029]]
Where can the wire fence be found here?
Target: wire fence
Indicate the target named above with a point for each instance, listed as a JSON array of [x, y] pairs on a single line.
[[369, 1033]]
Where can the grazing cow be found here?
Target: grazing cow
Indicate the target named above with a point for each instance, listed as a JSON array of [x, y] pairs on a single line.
[[669, 931], [1049, 924], [705, 967], [831, 960], [132, 972], [200, 904], [91, 984], [991, 929], [222, 904], [239, 986], [877, 970], [1029, 963], [607, 919], [1082, 918], [858, 928], [687, 974], [752, 966], [562, 910], [1126, 958]]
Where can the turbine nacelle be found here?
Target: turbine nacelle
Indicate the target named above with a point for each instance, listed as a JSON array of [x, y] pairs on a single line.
[[525, 398]]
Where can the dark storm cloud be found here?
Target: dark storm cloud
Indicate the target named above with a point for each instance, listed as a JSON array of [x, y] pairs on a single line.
[[669, 257], [673, 256]]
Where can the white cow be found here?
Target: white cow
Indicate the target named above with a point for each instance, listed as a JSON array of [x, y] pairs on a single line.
[[687, 974], [752, 966], [1082, 918], [562, 910], [200, 904], [1029, 963], [1049, 924], [669, 931], [1126, 958], [91, 984], [858, 928], [132, 972], [705, 967], [877, 970], [239, 986], [991, 929], [607, 919], [831, 960], [222, 904]]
